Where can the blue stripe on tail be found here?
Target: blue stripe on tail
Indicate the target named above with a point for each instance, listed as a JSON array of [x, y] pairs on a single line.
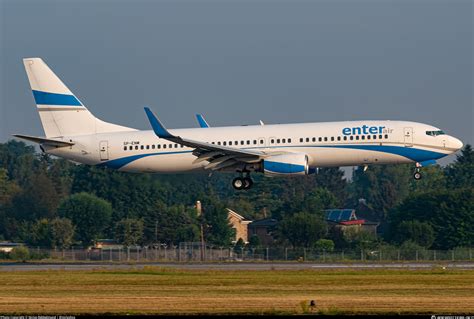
[[46, 98]]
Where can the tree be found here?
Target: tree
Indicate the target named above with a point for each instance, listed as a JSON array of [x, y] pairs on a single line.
[[449, 212], [254, 241], [170, 225], [421, 233], [129, 231], [461, 173], [90, 214], [62, 232], [383, 186], [332, 179], [302, 229], [217, 228], [324, 245], [39, 233]]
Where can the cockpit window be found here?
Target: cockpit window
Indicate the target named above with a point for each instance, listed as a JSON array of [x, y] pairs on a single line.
[[435, 133]]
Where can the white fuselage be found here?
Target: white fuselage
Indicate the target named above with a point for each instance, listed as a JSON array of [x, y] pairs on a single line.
[[328, 144]]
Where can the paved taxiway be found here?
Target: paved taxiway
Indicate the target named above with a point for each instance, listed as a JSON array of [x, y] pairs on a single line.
[[235, 266]]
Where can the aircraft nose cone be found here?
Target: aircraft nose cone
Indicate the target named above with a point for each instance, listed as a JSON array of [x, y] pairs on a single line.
[[456, 143]]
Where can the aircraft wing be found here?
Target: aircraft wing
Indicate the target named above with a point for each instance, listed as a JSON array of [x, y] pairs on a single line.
[[218, 156], [44, 140]]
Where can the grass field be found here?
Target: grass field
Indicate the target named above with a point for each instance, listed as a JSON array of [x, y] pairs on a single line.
[[166, 291]]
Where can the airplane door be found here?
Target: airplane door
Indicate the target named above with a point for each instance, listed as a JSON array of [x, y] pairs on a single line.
[[408, 136], [104, 150]]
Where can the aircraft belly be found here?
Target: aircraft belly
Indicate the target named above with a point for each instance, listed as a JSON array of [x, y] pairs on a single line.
[[172, 163]]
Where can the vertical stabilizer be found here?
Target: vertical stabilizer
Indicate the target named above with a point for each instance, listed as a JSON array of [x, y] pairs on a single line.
[[61, 112]]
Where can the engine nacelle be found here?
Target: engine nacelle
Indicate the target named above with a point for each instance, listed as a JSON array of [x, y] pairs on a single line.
[[286, 165]]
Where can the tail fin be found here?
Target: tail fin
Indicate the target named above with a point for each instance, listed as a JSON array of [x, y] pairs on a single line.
[[61, 112]]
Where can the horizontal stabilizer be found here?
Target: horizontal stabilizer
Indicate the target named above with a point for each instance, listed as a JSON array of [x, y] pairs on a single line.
[[43, 140]]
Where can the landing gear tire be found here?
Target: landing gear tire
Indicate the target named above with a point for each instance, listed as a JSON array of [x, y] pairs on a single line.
[[238, 183], [248, 182], [417, 176]]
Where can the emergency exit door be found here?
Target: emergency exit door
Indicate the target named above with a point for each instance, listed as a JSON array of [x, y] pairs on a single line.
[[104, 150]]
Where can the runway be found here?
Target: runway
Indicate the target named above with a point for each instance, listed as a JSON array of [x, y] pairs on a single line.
[[234, 266]]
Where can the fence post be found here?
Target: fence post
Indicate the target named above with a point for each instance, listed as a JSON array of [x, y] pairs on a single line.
[[286, 253], [361, 255], [452, 255], [128, 253], [267, 254], [470, 253], [417, 255]]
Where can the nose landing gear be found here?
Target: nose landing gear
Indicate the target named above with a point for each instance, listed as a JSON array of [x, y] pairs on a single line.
[[417, 175], [240, 183]]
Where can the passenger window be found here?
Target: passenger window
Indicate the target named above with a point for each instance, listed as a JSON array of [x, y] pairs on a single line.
[[278, 141], [338, 138], [236, 143], [176, 146], [182, 145], [332, 138], [130, 148], [272, 141], [314, 139], [325, 139], [345, 138], [301, 140], [320, 139], [352, 137], [254, 142], [164, 145], [386, 135], [218, 143], [224, 143], [289, 140], [124, 148], [261, 141], [241, 142], [248, 142], [363, 137], [153, 146], [171, 146], [357, 137], [230, 142], [159, 146], [380, 136], [368, 137], [307, 139], [142, 147], [148, 147]]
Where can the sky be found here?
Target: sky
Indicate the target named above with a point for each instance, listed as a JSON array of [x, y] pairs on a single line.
[[238, 62]]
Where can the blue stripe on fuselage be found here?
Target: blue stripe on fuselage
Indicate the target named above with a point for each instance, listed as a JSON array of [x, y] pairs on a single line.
[[414, 154], [47, 98]]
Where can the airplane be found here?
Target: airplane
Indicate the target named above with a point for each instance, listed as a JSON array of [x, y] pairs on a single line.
[[72, 132]]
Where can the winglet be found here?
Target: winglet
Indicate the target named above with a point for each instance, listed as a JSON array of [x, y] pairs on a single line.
[[159, 129], [202, 121]]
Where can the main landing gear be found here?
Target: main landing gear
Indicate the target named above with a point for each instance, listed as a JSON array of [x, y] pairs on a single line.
[[417, 175], [240, 183]]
